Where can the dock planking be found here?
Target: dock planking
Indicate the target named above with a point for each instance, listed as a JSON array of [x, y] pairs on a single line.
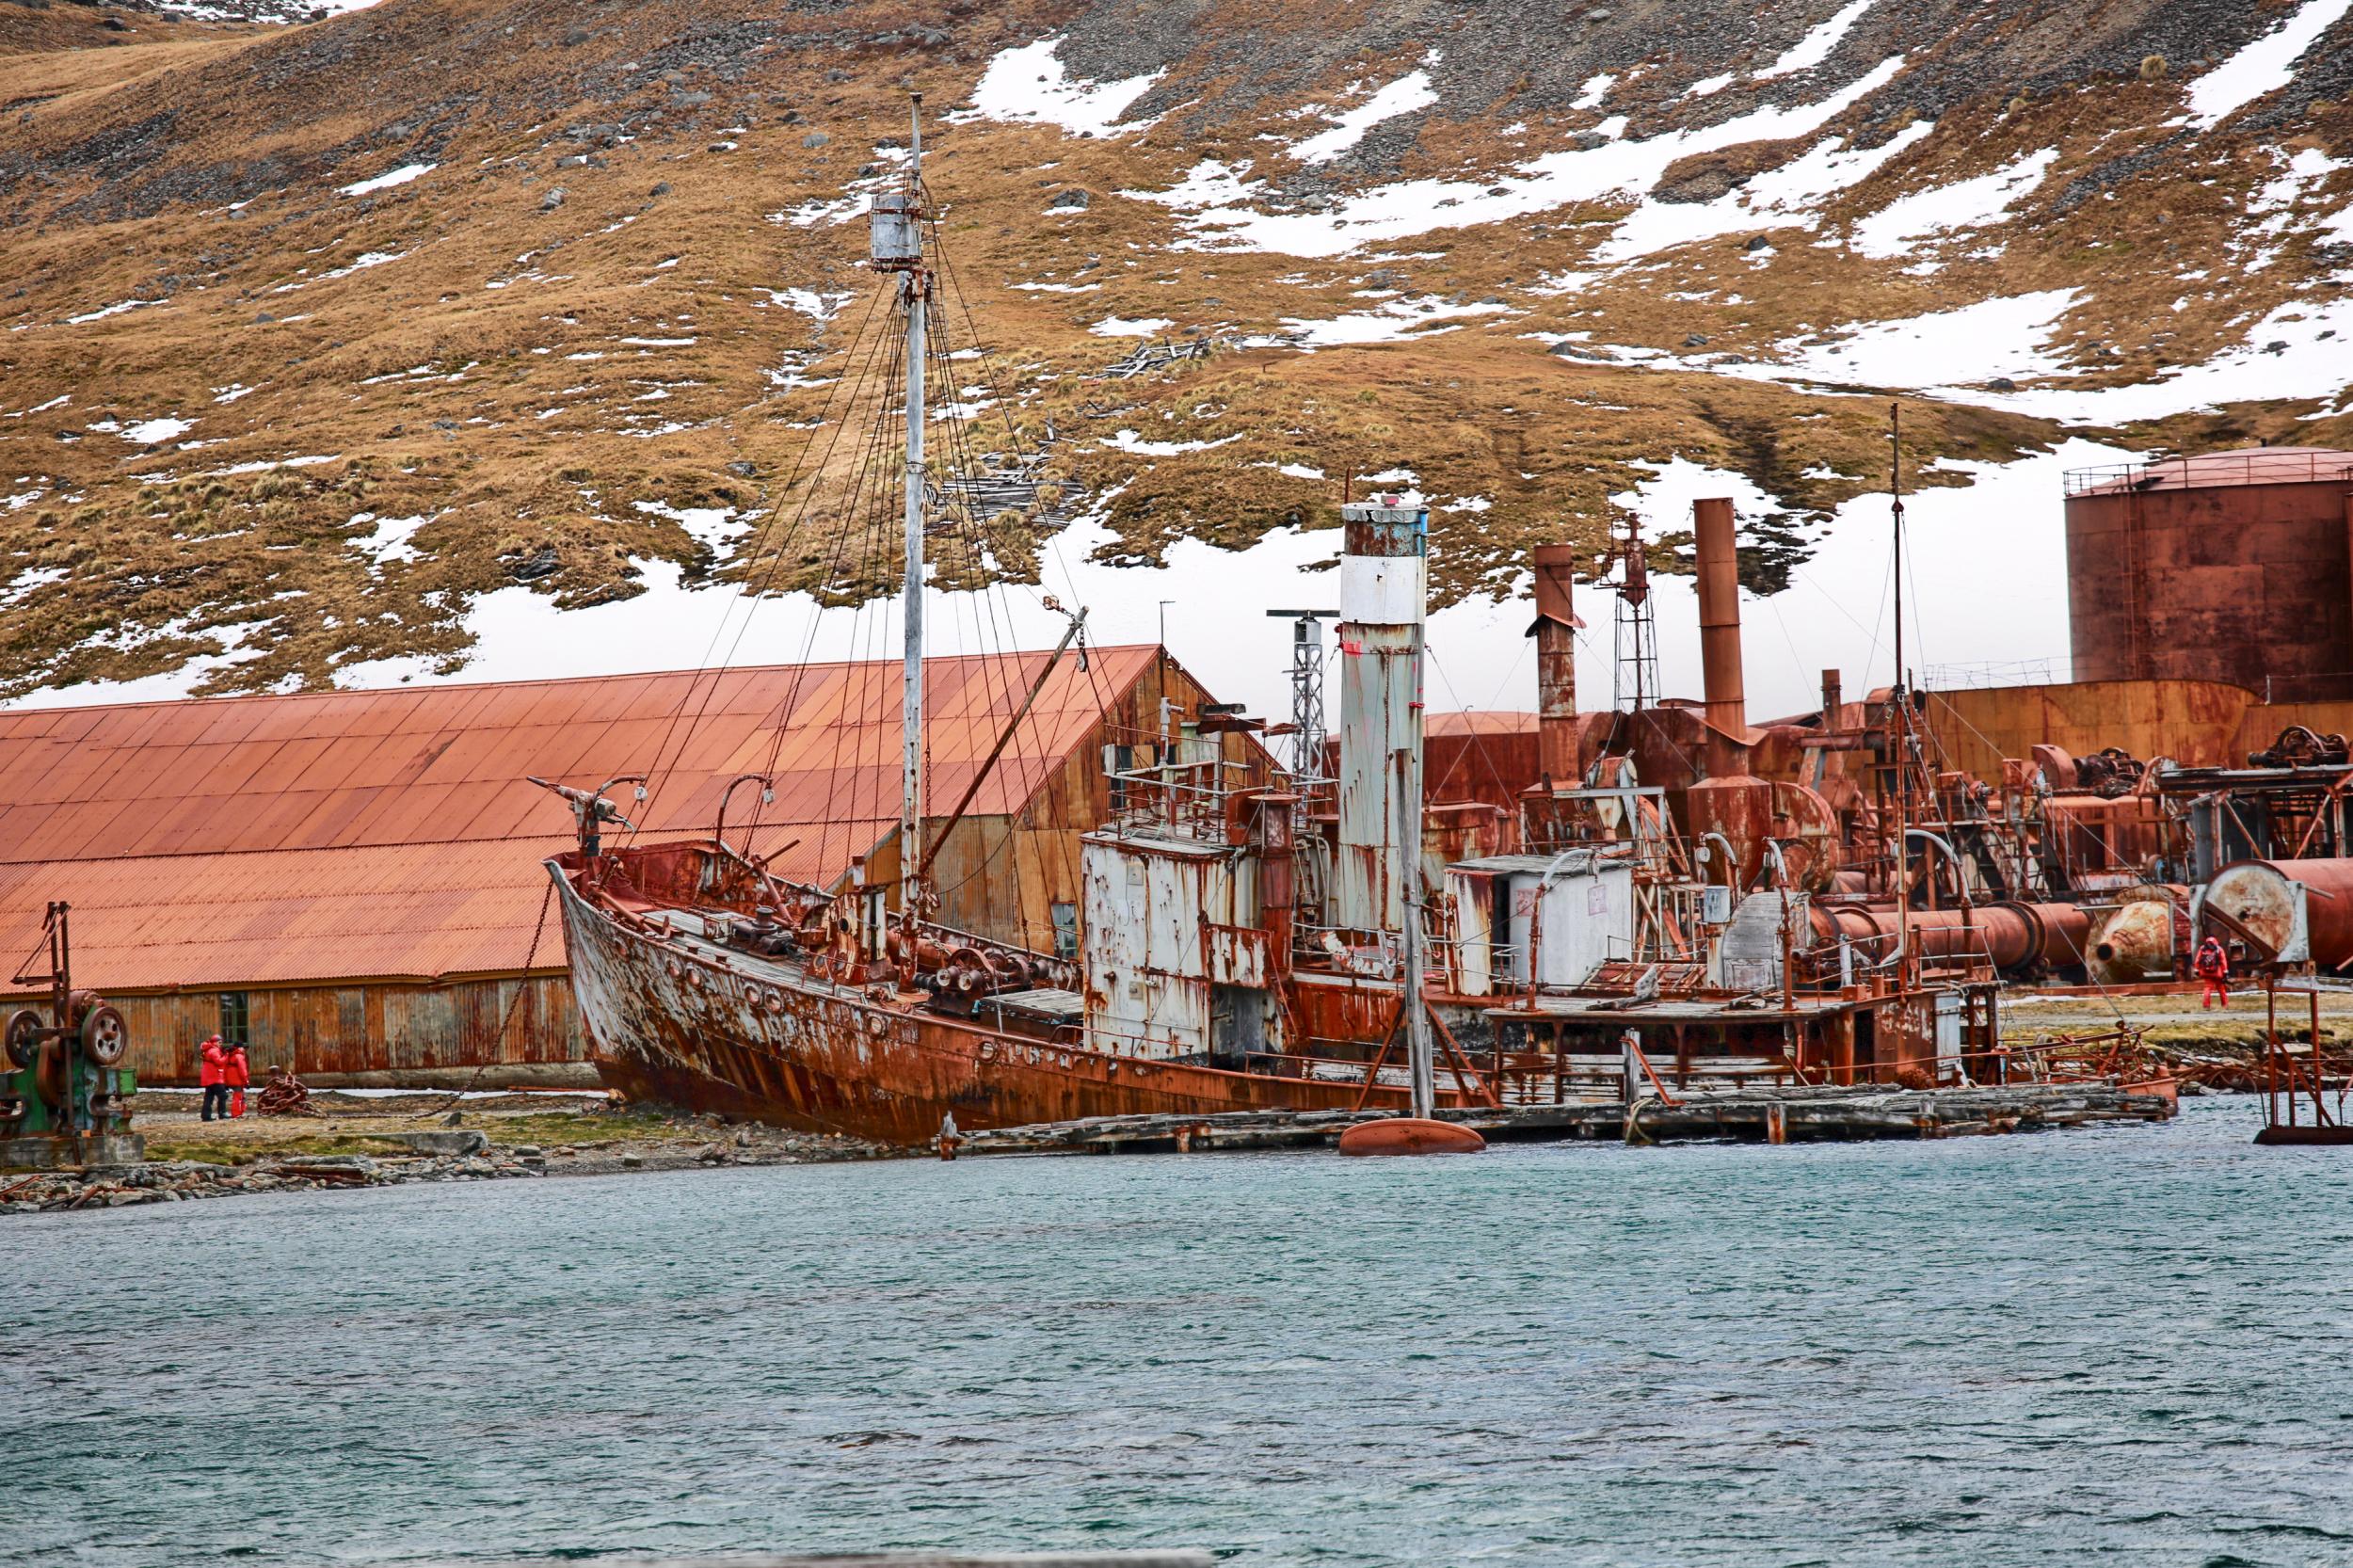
[[1780, 1114]]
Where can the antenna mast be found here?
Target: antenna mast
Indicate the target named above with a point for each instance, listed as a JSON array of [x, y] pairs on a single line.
[[897, 218], [1899, 712], [1635, 652], [1308, 725]]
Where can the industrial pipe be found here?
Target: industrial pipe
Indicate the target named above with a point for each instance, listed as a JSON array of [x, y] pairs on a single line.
[[1726, 708], [1555, 631], [2011, 935]]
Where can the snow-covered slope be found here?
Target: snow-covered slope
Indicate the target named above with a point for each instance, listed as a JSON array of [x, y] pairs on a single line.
[[485, 336]]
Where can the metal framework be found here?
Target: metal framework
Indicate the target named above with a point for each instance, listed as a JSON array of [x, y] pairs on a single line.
[[1633, 665], [1308, 725]]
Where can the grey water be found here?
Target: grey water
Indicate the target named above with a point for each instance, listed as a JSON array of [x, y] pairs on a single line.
[[2130, 1346]]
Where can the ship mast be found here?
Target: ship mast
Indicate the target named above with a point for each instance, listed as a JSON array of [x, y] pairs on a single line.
[[1900, 711], [898, 246]]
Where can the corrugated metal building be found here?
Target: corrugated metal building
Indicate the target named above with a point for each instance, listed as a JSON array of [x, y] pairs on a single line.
[[351, 881]]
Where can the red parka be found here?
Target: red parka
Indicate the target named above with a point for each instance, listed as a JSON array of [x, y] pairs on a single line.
[[215, 1067], [238, 1075], [2212, 962]]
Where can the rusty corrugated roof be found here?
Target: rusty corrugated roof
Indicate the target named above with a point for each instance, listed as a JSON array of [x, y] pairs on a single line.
[[250, 841]]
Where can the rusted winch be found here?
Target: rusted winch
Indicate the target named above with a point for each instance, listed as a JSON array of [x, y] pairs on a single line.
[[2301, 748], [65, 1098]]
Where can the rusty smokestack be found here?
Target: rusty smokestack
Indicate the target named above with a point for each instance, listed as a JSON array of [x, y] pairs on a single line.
[[1727, 707], [1555, 631], [1832, 701]]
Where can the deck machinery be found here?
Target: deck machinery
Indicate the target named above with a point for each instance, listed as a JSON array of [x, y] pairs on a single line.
[[65, 1098]]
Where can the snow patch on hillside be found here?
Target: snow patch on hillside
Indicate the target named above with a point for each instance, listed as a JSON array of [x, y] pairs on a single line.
[[386, 181], [1788, 197], [1896, 229], [1948, 350], [2262, 67], [1216, 198], [1408, 93], [1031, 84], [1813, 49]]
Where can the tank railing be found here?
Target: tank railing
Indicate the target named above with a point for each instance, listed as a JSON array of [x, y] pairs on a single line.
[[2254, 465]]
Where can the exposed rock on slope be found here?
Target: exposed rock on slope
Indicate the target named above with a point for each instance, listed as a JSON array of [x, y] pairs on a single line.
[[315, 334]]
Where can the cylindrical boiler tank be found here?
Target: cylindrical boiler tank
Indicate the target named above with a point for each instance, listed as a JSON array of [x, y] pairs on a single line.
[[2011, 935], [2228, 566], [2139, 939], [2257, 894]]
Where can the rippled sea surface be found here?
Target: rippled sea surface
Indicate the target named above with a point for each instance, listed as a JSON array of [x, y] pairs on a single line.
[[2130, 1346]]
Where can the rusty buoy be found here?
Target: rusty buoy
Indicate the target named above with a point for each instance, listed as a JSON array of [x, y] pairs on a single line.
[[1410, 1135]]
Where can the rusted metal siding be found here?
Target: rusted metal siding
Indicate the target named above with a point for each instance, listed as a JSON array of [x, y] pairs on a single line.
[[2197, 723], [2219, 579], [363, 1029], [1167, 924]]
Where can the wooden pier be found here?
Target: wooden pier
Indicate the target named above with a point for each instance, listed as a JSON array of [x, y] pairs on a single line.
[[1754, 1116]]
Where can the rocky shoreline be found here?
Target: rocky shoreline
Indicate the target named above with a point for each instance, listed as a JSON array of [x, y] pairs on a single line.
[[441, 1156]]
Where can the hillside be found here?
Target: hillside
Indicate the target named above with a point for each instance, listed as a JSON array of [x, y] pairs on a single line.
[[315, 334]]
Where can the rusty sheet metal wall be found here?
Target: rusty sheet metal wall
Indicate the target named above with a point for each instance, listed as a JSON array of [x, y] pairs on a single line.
[[363, 1027], [1175, 916], [2197, 723], [1490, 764], [2235, 582], [2263, 722]]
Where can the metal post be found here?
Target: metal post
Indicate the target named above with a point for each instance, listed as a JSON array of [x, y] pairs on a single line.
[[898, 248], [1902, 707], [1417, 1053]]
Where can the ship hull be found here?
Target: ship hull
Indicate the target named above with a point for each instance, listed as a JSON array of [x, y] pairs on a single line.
[[744, 1039]]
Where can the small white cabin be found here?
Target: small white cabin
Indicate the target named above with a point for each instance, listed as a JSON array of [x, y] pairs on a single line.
[[1555, 918]]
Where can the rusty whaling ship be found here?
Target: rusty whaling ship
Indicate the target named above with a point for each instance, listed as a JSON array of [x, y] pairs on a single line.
[[1247, 937]]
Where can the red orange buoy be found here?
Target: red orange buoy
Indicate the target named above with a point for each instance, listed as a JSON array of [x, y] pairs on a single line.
[[1410, 1135]]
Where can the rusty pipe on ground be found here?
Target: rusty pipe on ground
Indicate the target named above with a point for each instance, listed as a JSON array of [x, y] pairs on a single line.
[[2011, 935], [1555, 631], [1726, 707]]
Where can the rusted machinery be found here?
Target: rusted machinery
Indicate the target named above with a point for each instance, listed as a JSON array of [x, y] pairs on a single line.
[[2283, 911], [2012, 937], [2142, 938], [66, 1096]]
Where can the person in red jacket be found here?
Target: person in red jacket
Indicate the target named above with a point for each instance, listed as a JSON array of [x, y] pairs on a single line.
[[237, 1076], [2213, 965], [214, 1076]]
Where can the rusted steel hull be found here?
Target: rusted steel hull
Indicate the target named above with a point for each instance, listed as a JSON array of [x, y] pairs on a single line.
[[672, 1025]]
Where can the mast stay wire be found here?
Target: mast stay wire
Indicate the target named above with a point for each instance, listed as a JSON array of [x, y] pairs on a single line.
[[744, 593]]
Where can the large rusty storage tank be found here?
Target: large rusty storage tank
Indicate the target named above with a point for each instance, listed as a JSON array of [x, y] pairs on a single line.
[[2229, 565]]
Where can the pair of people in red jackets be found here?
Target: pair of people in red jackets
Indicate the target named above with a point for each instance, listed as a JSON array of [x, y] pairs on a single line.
[[223, 1074]]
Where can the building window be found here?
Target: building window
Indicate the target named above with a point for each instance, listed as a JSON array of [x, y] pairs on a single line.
[[1066, 929], [1116, 761], [232, 1020]]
